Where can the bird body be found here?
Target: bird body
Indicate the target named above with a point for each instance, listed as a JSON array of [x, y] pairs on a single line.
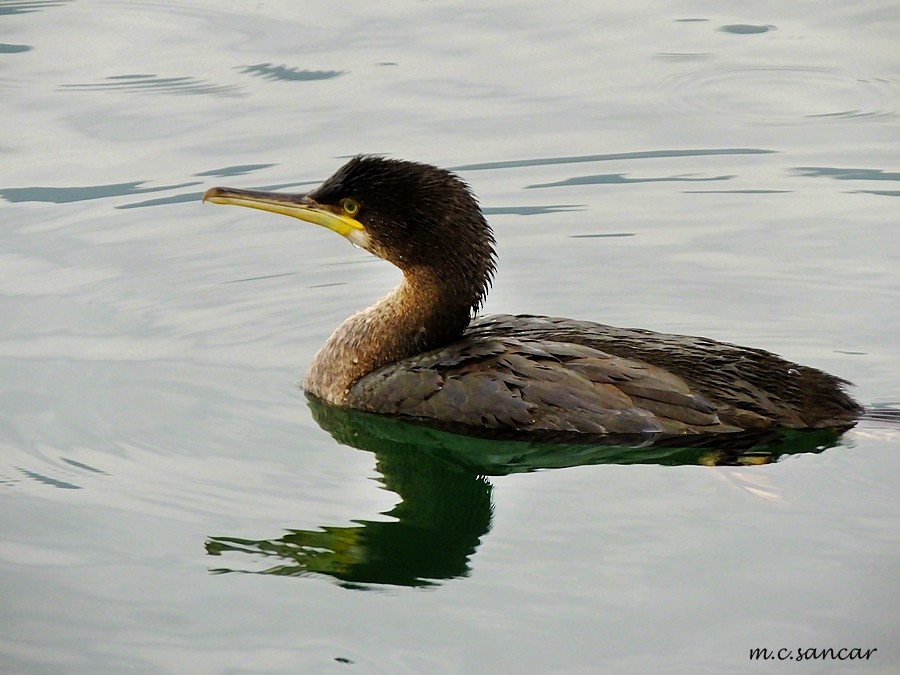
[[422, 352], [535, 373]]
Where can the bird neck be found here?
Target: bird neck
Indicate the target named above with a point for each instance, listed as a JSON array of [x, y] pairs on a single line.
[[425, 311]]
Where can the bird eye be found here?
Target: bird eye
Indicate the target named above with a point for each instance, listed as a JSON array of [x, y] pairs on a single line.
[[350, 206]]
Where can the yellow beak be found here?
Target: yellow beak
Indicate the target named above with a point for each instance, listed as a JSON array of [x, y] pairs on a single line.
[[297, 206]]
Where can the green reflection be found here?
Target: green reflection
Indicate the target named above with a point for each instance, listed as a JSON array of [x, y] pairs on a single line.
[[444, 511], [445, 498]]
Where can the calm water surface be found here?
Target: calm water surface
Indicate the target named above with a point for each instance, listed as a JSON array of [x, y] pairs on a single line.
[[666, 165]]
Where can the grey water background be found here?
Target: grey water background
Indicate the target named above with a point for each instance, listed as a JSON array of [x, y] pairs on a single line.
[[722, 169]]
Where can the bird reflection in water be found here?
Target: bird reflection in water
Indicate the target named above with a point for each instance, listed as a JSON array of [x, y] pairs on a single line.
[[445, 503]]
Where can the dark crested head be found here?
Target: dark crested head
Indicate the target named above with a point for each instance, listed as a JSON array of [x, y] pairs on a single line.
[[415, 215], [422, 219]]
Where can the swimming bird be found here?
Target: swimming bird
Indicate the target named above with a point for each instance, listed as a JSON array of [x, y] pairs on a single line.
[[422, 352]]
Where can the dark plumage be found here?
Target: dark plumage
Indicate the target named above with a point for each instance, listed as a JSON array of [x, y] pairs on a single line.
[[420, 353]]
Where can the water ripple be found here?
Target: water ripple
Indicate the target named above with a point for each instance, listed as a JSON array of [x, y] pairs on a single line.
[[66, 195], [621, 178], [880, 193], [182, 198], [602, 235], [845, 174], [782, 95], [739, 192], [682, 56], [14, 49], [149, 83], [745, 29], [531, 210], [196, 196], [47, 480], [270, 72], [10, 7], [237, 170], [610, 157]]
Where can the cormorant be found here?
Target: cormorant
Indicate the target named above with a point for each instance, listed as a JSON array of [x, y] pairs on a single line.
[[422, 352]]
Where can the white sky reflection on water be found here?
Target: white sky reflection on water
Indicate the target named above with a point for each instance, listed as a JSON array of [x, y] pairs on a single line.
[[151, 346]]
